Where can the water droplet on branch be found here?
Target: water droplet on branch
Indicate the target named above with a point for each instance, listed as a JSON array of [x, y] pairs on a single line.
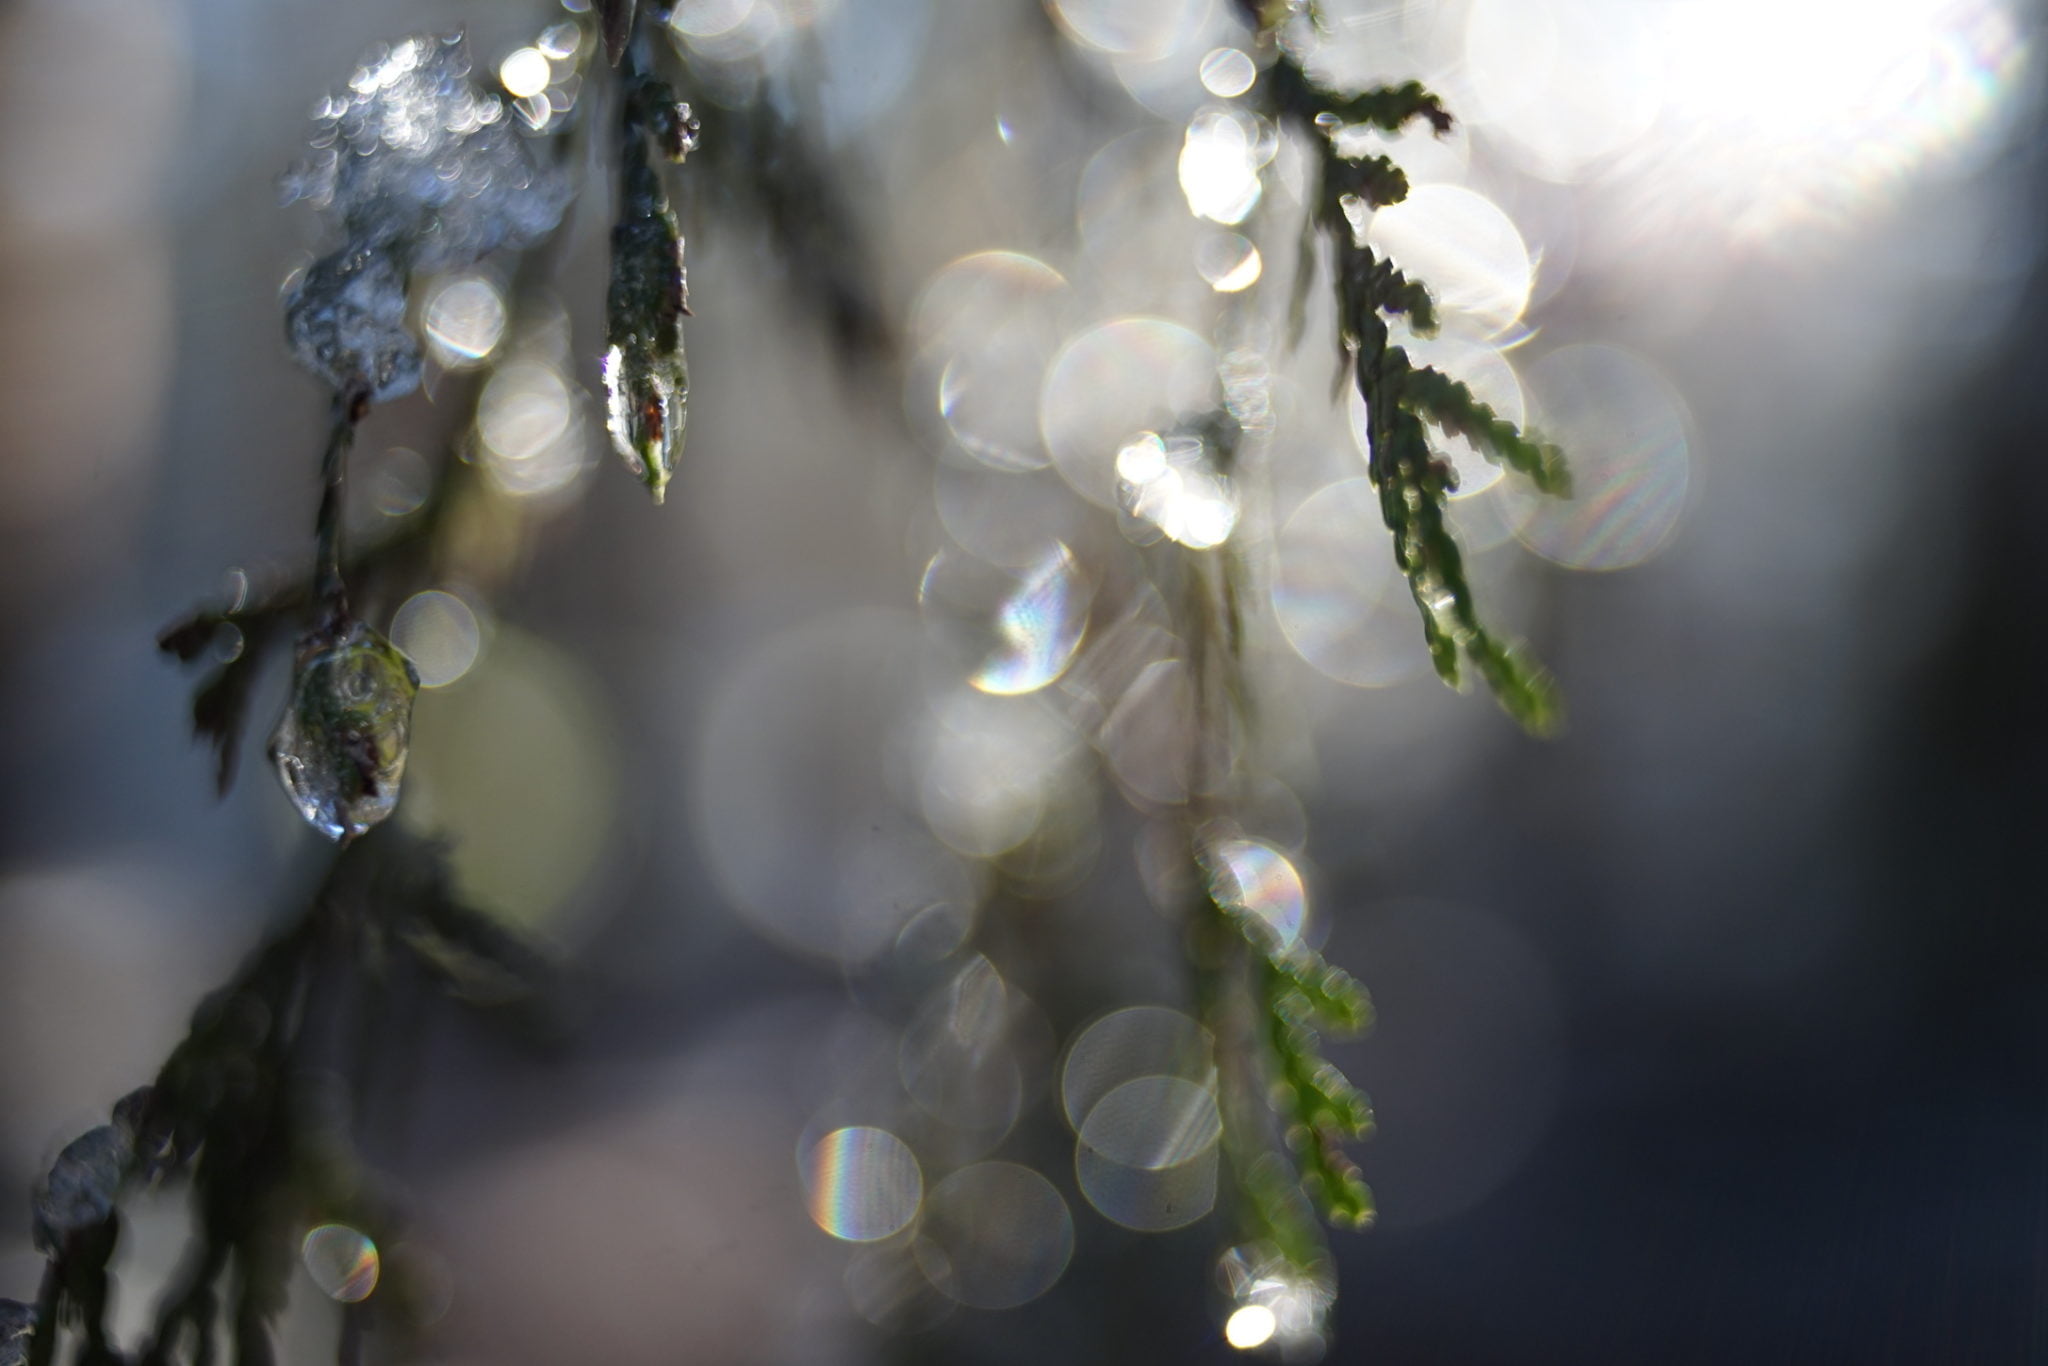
[[340, 749]]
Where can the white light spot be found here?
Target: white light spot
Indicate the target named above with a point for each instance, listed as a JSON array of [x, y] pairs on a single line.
[[525, 72], [1125, 376], [1252, 1325], [1219, 165]]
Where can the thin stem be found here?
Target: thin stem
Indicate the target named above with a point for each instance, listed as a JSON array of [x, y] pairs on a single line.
[[329, 590]]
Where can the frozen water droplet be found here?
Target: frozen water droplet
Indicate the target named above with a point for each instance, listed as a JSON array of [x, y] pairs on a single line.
[[340, 748], [646, 406]]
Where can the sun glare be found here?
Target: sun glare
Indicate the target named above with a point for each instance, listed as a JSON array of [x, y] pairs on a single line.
[[1753, 115]]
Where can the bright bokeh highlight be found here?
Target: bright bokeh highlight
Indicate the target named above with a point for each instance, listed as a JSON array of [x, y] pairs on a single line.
[[988, 326], [440, 635], [342, 1261], [1038, 628], [464, 319], [1742, 118], [1113, 381], [1624, 431], [1337, 595], [1468, 250], [1137, 1041], [862, 1184], [1253, 880], [1220, 160], [1139, 29], [995, 1235], [1250, 1326], [1172, 485]]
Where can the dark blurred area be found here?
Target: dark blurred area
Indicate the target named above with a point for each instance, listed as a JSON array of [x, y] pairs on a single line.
[[1715, 1029]]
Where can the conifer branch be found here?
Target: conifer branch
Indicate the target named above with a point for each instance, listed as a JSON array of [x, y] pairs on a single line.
[[1287, 994], [1414, 483], [1296, 993], [350, 405], [1450, 406], [1323, 1109]]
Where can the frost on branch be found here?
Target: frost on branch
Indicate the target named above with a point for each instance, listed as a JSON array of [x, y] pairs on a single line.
[[422, 170]]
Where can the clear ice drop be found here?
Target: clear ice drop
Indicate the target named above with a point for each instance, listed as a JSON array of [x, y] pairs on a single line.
[[340, 748]]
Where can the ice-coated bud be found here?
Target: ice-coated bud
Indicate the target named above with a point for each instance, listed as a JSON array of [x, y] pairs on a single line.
[[647, 404], [17, 1328], [78, 1191], [340, 748], [345, 320], [646, 379]]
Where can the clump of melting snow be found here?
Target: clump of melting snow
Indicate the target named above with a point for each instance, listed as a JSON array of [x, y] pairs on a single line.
[[422, 170]]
